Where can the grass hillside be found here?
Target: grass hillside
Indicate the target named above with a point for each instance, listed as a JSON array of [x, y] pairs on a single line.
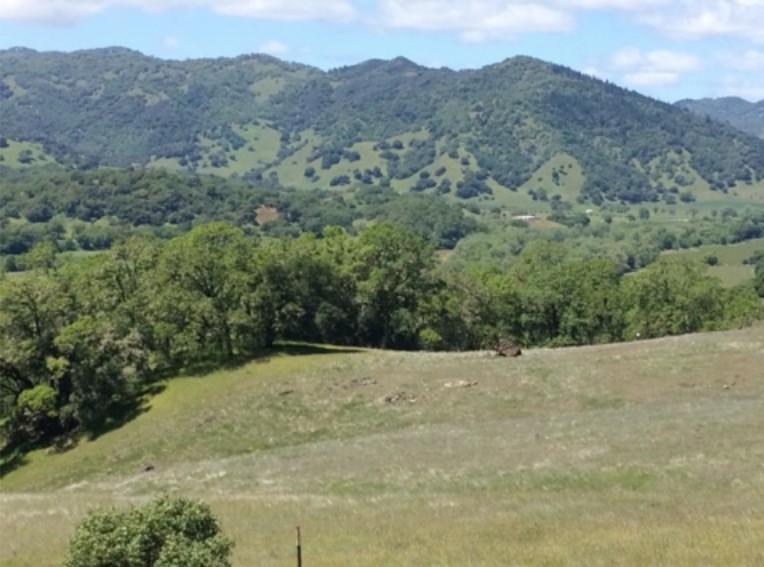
[[15, 154], [645, 453], [731, 265]]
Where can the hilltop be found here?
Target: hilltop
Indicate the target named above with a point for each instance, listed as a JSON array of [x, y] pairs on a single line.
[[648, 451], [521, 126], [742, 114]]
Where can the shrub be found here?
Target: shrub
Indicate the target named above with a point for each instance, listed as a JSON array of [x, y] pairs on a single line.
[[340, 180], [168, 532]]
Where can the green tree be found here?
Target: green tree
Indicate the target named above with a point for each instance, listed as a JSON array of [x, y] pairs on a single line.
[[672, 298], [100, 371], [304, 289], [203, 277], [758, 277], [41, 257], [126, 283], [391, 267], [487, 302], [543, 291], [742, 306], [594, 306], [36, 413], [167, 532], [32, 310]]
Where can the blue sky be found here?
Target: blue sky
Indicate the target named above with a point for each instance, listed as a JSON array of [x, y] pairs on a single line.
[[668, 49]]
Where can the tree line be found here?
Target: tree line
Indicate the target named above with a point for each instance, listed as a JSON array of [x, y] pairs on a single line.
[[81, 340], [90, 210]]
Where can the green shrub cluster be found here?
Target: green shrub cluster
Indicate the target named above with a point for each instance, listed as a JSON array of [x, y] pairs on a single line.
[[167, 532]]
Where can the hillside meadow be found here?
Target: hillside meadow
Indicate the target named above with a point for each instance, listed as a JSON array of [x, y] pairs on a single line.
[[630, 454], [732, 267]]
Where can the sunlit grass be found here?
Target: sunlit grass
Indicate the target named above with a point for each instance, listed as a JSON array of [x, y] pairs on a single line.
[[10, 154], [730, 269], [635, 454]]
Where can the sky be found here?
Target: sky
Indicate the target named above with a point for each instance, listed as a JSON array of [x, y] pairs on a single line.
[[667, 49]]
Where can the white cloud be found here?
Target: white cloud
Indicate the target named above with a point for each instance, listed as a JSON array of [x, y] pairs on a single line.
[[650, 78], [67, 11], [700, 18], [273, 47], [474, 20], [749, 60], [49, 12], [628, 57], [170, 43], [488, 19], [630, 5], [744, 74], [742, 86], [333, 10], [652, 68]]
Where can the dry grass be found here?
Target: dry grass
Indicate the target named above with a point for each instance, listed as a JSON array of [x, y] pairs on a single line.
[[634, 454]]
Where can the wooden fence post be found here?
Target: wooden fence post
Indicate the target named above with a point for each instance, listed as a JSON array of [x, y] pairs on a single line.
[[299, 548]]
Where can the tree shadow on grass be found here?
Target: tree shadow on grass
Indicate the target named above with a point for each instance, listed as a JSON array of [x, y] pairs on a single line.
[[133, 408], [123, 413], [300, 349], [12, 458], [262, 356]]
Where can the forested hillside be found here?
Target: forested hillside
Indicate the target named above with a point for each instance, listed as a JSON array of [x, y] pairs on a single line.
[[743, 115], [522, 124], [90, 210], [80, 211]]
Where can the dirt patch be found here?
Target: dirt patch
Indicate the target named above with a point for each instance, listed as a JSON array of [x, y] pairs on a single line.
[[400, 398], [265, 214]]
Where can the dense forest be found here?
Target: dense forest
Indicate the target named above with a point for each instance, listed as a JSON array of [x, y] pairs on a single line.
[[91, 209], [116, 107], [82, 339]]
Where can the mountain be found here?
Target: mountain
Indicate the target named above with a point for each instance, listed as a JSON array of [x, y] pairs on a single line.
[[521, 124], [742, 114]]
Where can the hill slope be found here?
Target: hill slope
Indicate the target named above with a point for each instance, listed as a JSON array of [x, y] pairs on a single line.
[[468, 133], [743, 115], [649, 452]]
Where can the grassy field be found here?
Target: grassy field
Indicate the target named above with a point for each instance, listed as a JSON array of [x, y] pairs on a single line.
[[730, 270], [11, 155], [646, 453]]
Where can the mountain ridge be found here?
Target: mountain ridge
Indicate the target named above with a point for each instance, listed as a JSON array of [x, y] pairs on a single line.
[[498, 125], [743, 114]]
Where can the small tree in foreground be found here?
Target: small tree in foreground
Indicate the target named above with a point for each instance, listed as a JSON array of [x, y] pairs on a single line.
[[168, 532]]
